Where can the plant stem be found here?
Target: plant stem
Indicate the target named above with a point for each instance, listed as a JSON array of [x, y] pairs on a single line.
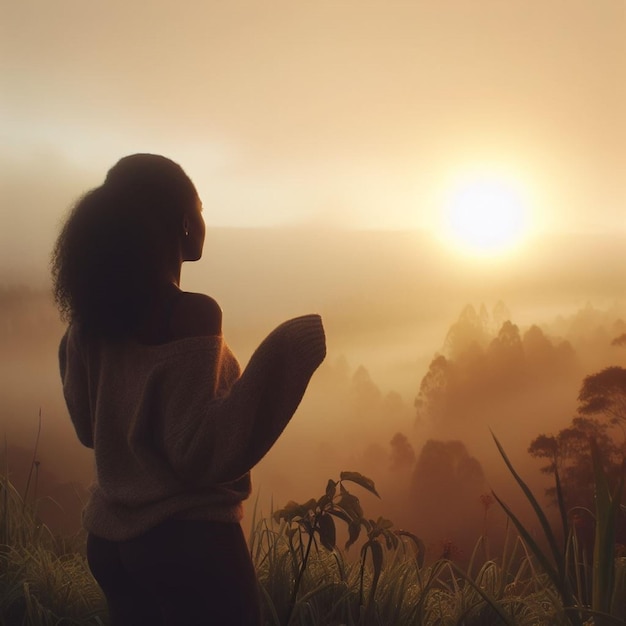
[[32, 465], [294, 593]]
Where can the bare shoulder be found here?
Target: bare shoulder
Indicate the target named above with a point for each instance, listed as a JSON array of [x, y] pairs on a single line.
[[196, 315]]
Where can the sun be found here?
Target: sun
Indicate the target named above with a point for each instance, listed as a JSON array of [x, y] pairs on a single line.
[[485, 214]]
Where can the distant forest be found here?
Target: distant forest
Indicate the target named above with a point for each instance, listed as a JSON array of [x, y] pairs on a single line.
[[431, 455]]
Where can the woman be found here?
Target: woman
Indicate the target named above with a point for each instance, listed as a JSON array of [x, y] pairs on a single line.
[[153, 388]]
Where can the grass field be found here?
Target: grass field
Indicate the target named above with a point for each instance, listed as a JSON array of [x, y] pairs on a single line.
[[306, 579]]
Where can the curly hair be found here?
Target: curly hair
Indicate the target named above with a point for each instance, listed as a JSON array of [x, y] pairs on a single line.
[[118, 243]]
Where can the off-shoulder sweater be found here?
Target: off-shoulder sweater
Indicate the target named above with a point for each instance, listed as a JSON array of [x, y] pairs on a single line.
[[176, 427]]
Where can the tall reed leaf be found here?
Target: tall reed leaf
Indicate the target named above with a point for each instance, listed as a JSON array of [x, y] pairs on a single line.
[[607, 508], [543, 520], [557, 574]]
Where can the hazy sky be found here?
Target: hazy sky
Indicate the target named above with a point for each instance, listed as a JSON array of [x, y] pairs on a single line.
[[327, 114], [316, 113]]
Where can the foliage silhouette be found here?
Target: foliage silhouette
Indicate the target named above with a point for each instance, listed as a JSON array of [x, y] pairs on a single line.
[[605, 393], [316, 518], [574, 452], [561, 564]]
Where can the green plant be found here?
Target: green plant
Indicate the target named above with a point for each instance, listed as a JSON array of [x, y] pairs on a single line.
[[316, 518], [562, 565], [604, 561], [306, 579], [43, 579]]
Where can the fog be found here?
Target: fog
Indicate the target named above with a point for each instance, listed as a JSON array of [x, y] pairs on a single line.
[[332, 132], [520, 335]]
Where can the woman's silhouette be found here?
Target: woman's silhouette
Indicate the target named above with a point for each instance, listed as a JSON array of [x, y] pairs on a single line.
[[153, 388]]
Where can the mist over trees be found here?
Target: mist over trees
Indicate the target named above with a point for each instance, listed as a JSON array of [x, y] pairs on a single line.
[[501, 378], [446, 485], [601, 419], [430, 455], [435, 466], [481, 366]]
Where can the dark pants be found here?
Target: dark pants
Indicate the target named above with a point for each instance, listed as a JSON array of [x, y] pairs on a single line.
[[181, 573]]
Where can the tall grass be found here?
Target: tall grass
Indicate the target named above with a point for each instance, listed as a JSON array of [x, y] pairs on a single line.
[[511, 590], [587, 592], [44, 580], [306, 580]]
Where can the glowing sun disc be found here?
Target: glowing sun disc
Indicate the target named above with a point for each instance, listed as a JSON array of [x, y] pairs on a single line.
[[485, 215]]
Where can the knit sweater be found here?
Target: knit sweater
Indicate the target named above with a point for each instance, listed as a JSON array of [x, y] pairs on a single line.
[[176, 427]]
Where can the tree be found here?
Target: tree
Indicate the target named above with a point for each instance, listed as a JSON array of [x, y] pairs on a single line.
[[569, 454], [619, 330], [507, 354], [605, 393], [470, 329], [402, 453], [446, 486], [537, 347], [619, 341], [603, 396], [432, 398]]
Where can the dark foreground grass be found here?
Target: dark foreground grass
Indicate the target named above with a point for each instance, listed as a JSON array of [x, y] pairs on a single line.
[[45, 580]]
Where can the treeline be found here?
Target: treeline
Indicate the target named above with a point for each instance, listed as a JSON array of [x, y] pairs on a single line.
[[432, 459], [529, 386], [435, 462]]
